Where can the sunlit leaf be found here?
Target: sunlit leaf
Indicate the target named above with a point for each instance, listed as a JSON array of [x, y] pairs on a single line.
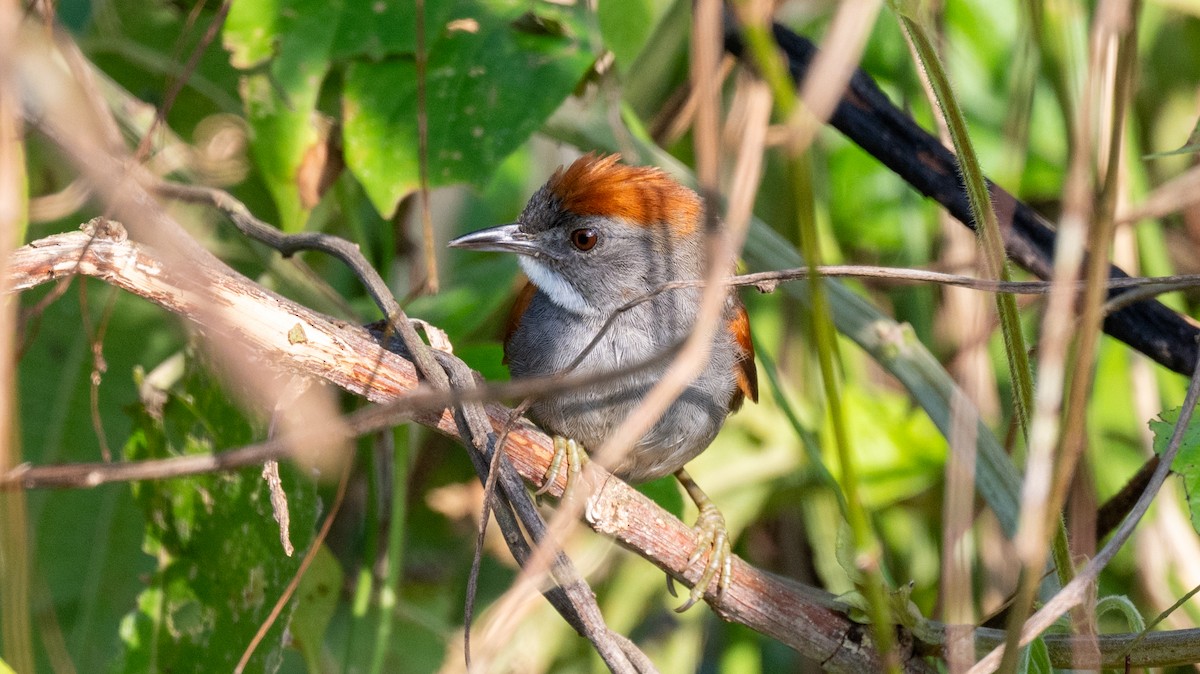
[[1187, 461], [284, 49], [488, 88]]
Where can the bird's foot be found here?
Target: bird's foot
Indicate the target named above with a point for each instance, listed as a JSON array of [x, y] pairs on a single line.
[[567, 450], [712, 539]]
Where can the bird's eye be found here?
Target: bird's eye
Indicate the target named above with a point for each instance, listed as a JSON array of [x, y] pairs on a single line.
[[584, 239]]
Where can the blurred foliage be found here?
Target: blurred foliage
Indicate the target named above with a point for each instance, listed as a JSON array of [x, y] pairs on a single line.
[[177, 575], [190, 602]]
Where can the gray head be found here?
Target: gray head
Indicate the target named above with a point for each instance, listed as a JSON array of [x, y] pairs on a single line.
[[599, 234]]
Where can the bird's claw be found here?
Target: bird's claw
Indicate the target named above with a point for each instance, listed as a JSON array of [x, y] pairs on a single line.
[[712, 539], [567, 450]]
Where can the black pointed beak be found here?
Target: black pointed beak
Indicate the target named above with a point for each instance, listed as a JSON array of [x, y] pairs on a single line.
[[501, 239]]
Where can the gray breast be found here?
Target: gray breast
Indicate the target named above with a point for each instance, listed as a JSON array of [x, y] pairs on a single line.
[[549, 338]]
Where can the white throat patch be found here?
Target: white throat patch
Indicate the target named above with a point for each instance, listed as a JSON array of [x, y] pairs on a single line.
[[559, 290]]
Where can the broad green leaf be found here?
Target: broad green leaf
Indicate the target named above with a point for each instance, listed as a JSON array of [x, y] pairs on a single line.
[[376, 29], [627, 26], [284, 50], [220, 563], [251, 34], [1192, 145], [1187, 461], [491, 81]]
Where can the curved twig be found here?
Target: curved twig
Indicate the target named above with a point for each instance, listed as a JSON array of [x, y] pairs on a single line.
[[309, 344], [806, 619], [345, 355]]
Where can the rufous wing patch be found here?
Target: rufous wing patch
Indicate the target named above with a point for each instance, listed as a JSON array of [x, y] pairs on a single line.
[[641, 195], [520, 306], [745, 372]]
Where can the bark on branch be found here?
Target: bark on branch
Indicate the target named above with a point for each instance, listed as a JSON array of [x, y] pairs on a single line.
[[292, 338]]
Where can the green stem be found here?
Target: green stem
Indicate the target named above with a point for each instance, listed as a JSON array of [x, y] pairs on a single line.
[[987, 227], [995, 265], [389, 594], [868, 552]]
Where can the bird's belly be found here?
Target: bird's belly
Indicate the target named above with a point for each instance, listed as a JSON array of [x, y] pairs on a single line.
[[590, 415]]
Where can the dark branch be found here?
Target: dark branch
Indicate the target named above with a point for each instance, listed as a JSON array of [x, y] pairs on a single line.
[[867, 117]]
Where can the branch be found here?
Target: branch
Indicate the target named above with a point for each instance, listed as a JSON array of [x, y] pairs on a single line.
[[295, 339], [1076, 591], [348, 356], [191, 278], [288, 337], [867, 117]]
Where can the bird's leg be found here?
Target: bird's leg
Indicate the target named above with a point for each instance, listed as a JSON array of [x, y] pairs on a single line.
[[712, 538], [570, 451]]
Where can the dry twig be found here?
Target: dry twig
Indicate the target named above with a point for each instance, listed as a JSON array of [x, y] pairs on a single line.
[[808, 620], [348, 356]]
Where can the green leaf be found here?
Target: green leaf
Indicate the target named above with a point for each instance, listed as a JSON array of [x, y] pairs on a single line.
[[375, 28], [627, 26], [220, 564], [249, 37], [284, 47], [1035, 658], [1187, 461], [87, 541], [1120, 603], [489, 86], [316, 599], [1192, 145]]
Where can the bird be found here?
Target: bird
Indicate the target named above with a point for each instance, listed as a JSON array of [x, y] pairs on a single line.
[[598, 235]]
